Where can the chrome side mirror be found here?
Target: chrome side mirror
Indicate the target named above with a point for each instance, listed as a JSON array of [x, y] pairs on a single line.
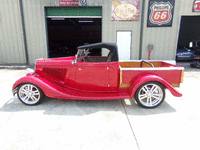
[[74, 61]]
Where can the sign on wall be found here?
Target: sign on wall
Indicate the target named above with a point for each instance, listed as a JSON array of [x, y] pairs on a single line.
[[125, 10], [196, 6], [72, 2], [160, 13]]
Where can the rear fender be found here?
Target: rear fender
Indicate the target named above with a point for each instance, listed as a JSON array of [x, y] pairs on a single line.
[[50, 89], [152, 78]]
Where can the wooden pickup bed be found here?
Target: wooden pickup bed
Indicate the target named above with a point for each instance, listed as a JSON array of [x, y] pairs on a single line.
[[138, 64], [132, 69]]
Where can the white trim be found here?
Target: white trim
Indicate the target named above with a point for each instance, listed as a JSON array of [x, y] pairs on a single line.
[[153, 68], [74, 16], [150, 69], [190, 15], [173, 62]]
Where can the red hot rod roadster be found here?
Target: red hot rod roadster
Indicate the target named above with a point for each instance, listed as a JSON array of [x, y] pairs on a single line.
[[85, 77]]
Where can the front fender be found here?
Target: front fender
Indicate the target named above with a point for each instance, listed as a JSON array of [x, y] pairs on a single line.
[[147, 78], [50, 89]]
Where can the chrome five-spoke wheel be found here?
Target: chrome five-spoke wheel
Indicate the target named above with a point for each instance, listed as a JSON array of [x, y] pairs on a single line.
[[150, 95], [29, 94]]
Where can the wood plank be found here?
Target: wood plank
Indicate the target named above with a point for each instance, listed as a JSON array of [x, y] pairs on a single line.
[[138, 64]]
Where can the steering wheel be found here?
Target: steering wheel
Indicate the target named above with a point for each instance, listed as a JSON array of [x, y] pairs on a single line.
[[147, 63]]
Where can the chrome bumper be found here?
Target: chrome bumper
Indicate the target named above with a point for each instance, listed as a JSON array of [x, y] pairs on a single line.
[[14, 91]]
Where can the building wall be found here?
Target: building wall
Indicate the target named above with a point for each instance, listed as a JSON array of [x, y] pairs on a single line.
[[110, 29], [165, 39], [12, 46], [11, 34], [35, 27]]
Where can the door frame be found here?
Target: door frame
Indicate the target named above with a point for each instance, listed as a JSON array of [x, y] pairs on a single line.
[[46, 16]]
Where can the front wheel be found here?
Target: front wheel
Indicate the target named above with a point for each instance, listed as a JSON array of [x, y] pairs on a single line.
[[150, 95], [30, 94]]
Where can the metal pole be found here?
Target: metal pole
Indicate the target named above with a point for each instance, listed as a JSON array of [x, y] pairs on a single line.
[[24, 31], [141, 29]]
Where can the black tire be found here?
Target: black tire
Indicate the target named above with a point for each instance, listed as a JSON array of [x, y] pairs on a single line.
[[192, 66], [150, 95], [30, 94]]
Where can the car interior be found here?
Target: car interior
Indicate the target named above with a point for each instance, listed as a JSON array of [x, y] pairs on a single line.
[[83, 55]]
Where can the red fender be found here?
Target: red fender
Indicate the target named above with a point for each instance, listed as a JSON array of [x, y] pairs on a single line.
[[50, 89], [149, 77]]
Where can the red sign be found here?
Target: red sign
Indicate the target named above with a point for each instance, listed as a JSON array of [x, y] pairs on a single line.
[[160, 13], [196, 6], [72, 2], [160, 16]]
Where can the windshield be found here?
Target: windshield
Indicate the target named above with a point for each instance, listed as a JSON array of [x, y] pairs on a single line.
[[82, 55]]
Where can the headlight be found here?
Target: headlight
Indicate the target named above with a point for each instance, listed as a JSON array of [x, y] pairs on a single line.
[[29, 70]]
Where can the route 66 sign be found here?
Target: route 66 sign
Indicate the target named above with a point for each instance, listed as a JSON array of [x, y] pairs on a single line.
[[160, 13], [196, 5]]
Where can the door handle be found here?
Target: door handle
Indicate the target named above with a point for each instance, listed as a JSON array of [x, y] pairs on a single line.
[[80, 69]]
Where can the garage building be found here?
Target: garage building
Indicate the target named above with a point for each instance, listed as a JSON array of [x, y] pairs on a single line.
[[32, 29]]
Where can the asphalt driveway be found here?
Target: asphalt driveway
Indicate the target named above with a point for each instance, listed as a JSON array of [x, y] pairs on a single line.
[[100, 125]]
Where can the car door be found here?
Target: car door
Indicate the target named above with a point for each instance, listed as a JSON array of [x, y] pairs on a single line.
[[92, 76], [113, 76]]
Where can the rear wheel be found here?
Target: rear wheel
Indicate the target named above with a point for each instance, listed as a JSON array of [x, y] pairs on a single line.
[[30, 94], [150, 95], [192, 65]]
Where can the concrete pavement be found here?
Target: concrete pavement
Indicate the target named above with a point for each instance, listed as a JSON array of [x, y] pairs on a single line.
[[104, 125]]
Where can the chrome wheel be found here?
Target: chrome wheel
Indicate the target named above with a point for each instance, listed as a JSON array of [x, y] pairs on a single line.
[[150, 95], [29, 94]]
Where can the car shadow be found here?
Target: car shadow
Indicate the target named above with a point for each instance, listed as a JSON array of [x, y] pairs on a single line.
[[132, 108], [51, 106]]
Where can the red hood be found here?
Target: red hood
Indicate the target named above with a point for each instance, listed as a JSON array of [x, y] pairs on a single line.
[[56, 63]]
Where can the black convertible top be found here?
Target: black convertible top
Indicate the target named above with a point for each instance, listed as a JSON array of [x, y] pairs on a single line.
[[111, 46]]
